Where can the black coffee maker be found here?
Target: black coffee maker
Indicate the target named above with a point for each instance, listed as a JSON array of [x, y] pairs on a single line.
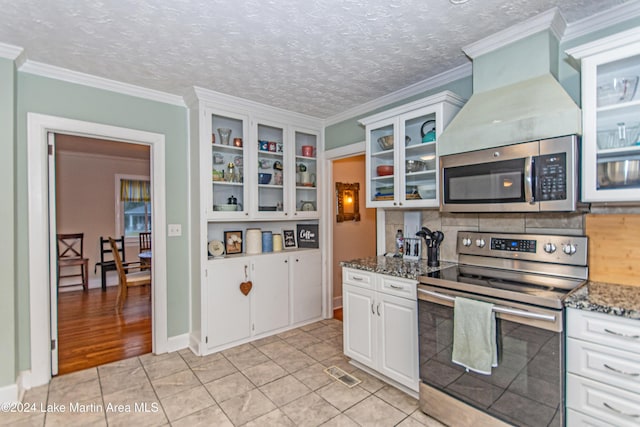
[[433, 239]]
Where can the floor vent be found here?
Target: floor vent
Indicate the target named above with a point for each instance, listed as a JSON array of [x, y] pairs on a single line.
[[340, 375]]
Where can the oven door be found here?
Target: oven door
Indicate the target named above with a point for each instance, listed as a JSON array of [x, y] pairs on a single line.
[[525, 389], [490, 180]]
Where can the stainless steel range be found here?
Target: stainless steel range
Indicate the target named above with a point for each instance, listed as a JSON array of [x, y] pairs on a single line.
[[526, 277]]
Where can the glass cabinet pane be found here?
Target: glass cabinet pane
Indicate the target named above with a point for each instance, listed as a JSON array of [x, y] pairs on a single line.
[[227, 152], [271, 169], [420, 157], [382, 163], [618, 124], [306, 199]]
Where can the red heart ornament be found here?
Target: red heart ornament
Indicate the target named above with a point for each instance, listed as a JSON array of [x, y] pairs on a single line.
[[245, 287]]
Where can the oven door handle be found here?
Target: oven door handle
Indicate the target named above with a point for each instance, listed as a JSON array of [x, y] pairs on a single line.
[[497, 308]]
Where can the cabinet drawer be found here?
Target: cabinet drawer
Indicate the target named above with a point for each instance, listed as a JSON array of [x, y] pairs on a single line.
[[575, 418], [397, 286], [609, 365], [361, 278], [610, 404], [614, 331]]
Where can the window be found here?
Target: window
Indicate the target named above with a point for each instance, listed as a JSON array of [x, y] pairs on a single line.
[[133, 206]]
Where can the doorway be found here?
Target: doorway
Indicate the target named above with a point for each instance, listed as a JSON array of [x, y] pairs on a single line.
[[41, 331], [88, 200]]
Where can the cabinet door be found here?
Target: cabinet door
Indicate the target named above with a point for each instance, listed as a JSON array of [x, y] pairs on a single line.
[[306, 174], [270, 293], [381, 173], [398, 345], [228, 149], [359, 323], [611, 125], [306, 286], [271, 184], [228, 316]]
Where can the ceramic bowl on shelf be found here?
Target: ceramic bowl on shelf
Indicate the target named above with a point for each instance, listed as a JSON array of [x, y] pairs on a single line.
[[386, 142], [264, 178], [384, 170], [226, 207], [427, 191]]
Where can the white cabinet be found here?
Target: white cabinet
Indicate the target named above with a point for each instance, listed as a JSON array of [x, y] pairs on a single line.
[[270, 292], [603, 369], [286, 292], [254, 162], [306, 286], [381, 324], [610, 69], [402, 153]]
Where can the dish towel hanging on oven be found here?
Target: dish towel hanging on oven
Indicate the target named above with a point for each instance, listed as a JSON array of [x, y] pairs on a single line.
[[474, 335]]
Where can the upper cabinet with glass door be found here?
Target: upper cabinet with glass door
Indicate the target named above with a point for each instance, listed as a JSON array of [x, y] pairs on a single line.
[[305, 203], [610, 71], [228, 156], [402, 153], [272, 168]]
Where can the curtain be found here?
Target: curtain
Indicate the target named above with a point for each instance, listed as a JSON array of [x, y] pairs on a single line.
[[134, 191]]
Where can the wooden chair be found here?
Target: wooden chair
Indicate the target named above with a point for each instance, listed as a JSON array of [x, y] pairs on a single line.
[[125, 279], [71, 254], [145, 241], [106, 258]]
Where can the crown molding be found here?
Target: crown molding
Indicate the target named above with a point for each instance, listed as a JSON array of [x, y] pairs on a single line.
[[602, 20], [439, 80], [59, 73], [550, 20], [10, 51]]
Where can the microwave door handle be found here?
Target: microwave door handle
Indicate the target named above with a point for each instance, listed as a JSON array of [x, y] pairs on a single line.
[[528, 180]]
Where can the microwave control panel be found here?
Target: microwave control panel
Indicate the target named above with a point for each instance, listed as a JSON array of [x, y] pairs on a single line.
[[551, 172]]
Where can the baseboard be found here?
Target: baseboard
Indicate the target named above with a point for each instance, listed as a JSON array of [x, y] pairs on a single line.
[[24, 383], [9, 393], [178, 342], [337, 302]]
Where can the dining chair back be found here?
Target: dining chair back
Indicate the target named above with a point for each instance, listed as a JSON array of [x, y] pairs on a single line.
[[106, 258], [70, 248], [127, 279], [145, 241]]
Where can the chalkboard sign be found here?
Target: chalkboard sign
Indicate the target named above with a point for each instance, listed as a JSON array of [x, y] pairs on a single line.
[[308, 236]]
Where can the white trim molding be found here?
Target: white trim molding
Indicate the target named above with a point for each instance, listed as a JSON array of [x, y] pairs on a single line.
[[10, 51], [178, 342], [38, 126], [608, 18], [604, 44], [64, 74], [434, 82]]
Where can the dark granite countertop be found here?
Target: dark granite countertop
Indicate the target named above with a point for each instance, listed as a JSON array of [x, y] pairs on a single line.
[[607, 298], [398, 267]]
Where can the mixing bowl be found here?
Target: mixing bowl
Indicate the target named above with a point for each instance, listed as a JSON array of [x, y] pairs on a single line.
[[623, 172], [415, 165], [264, 178], [386, 142], [427, 191], [384, 170]]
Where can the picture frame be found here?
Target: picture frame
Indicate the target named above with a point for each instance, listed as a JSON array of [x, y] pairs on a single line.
[[289, 239], [308, 236], [233, 243]]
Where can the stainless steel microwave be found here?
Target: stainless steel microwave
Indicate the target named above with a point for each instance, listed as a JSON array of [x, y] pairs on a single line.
[[532, 176]]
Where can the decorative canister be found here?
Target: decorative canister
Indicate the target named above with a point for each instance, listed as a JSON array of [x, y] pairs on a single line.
[[277, 242], [254, 241], [267, 241], [237, 142]]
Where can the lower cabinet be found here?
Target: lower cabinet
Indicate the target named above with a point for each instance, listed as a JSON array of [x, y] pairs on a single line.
[[381, 324], [286, 291]]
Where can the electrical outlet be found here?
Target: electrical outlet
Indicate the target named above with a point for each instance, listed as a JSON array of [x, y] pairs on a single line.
[[174, 230]]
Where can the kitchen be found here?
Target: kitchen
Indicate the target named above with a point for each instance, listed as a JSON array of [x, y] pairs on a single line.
[[448, 223]]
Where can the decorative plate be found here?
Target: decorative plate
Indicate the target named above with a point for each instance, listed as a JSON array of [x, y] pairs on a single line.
[[216, 248]]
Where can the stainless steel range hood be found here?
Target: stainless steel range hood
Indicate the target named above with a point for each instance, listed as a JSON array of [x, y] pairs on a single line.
[[516, 96]]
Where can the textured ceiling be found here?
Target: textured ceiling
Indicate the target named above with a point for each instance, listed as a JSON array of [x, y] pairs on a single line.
[[319, 57]]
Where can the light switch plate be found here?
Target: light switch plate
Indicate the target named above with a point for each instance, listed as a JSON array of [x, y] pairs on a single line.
[[174, 230]]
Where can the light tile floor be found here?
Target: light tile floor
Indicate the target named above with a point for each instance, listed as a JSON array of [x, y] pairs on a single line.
[[275, 381]]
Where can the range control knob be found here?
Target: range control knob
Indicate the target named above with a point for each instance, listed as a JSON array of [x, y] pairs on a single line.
[[549, 248], [466, 241], [569, 249], [480, 243]]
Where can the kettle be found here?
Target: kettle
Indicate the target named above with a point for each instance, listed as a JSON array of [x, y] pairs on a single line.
[[232, 200]]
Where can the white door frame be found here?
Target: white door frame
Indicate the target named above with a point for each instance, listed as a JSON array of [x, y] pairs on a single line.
[[329, 212], [38, 125]]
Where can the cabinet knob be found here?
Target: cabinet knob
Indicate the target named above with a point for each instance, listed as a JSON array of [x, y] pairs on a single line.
[[395, 204], [286, 261], [297, 260], [400, 203], [246, 213], [286, 213]]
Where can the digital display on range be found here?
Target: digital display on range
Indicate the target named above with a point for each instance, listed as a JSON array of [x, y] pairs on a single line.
[[514, 245]]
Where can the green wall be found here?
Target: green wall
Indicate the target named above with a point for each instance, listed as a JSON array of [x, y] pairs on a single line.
[[58, 98], [8, 334], [350, 131]]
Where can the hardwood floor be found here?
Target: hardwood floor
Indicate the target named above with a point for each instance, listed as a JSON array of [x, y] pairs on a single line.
[[337, 314], [90, 333]]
